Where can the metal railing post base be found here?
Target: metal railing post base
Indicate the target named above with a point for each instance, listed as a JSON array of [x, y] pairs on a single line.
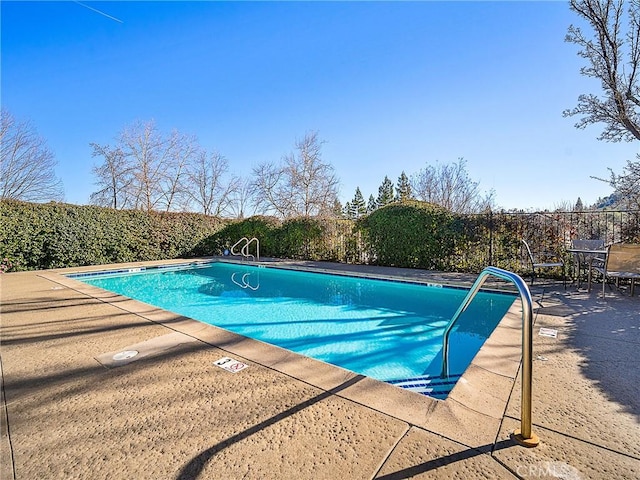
[[534, 441]]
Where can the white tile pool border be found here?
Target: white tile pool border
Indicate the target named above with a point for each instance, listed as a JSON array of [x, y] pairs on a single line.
[[471, 414]]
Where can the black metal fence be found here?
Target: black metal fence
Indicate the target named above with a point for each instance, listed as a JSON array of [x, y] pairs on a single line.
[[550, 232], [56, 235], [495, 238]]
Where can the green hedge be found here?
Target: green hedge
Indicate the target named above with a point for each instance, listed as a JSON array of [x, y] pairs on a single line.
[[404, 234], [298, 238], [413, 234], [410, 234], [258, 226], [40, 236]]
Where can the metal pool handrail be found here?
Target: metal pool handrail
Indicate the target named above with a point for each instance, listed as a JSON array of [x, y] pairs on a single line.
[[524, 435], [244, 251]]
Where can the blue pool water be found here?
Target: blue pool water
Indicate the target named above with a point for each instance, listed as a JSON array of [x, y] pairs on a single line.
[[390, 331]]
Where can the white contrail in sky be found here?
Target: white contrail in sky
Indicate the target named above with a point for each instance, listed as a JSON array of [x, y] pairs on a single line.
[[98, 11]]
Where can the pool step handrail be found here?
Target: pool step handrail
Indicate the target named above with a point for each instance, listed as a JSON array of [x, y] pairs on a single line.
[[233, 248], [524, 435], [244, 251]]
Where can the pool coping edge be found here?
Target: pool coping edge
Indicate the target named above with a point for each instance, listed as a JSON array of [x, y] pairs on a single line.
[[476, 405]]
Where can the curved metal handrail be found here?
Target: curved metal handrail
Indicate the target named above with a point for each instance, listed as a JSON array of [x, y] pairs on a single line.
[[524, 436], [244, 251], [243, 239]]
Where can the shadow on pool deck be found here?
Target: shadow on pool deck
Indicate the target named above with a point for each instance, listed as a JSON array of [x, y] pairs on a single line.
[[170, 413]]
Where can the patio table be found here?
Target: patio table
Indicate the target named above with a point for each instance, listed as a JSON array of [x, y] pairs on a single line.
[[589, 255]]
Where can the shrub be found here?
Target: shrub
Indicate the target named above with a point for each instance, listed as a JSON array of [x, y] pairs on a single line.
[[409, 234], [39, 236], [299, 238], [260, 227]]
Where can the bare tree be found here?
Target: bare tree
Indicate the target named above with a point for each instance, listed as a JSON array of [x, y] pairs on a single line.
[[563, 206], [269, 186], [114, 177], [182, 151], [242, 199], [147, 167], [209, 189], [242, 202], [451, 187], [613, 55], [27, 165], [159, 164], [302, 186], [626, 185]]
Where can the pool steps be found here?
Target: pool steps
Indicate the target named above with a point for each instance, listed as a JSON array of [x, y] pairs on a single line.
[[432, 386]]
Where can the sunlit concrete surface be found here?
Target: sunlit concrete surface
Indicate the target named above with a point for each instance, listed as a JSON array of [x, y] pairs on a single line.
[[69, 410]]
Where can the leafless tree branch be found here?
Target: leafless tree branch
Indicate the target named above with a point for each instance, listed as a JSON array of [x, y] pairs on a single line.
[[27, 165], [613, 58], [302, 185], [145, 170], [450, 186]]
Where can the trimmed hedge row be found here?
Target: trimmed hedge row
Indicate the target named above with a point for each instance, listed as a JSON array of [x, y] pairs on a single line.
[[54, 235], [413, 234], [299, 238], [40, 236], [410, 234]]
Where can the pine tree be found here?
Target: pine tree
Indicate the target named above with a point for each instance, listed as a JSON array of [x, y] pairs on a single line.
[[579, 206], [358, 205], [348, 211], [403, 188], [372, 205], [385, 193]]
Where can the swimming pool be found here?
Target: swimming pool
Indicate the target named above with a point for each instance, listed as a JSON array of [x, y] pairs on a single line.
[[387, 330]]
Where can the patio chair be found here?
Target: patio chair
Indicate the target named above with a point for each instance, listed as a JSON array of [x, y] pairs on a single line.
[[622, 261], [544, 260], [584, 260]]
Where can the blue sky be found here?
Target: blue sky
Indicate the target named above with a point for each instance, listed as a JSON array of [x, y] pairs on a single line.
[[389, 86]]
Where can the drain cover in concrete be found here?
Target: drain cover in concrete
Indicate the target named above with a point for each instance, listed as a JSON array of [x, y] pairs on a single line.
[[126, 355], [153, 346]]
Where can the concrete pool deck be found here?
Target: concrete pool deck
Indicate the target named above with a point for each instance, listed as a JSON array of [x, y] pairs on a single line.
[[70, 411]]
